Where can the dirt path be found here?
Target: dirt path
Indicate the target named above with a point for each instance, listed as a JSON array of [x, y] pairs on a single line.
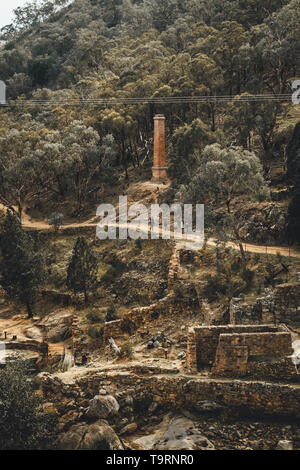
[[31, 224], [293, 251]]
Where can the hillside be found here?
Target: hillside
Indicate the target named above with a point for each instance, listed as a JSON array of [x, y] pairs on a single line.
[[149, 343]]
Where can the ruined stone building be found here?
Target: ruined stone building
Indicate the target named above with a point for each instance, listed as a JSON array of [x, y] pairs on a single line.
[[240, 350]]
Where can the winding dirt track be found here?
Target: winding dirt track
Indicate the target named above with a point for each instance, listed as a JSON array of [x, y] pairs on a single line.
[[293, 251]]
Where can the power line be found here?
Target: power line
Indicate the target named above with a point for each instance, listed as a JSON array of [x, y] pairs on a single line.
[[152, 100]]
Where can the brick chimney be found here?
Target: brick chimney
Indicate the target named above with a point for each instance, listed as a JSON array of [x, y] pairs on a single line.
[[159, 170]]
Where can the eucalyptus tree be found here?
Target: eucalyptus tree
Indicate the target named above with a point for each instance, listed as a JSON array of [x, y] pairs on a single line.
[[223, 176]]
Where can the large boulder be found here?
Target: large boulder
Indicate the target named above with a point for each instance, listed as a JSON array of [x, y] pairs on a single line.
[[102, 407], [59, 333], [175, 433], [58, 326], [96, 436], [284, 445]]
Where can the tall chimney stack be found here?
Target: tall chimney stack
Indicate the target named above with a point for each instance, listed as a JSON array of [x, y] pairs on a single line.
[[159, 170]]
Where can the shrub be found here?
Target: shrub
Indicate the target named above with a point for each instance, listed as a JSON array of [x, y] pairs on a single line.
[[95, 317], [95, 332], [126, 350], [128, 326], [110, 274], [138, 244], [56, 220], [23, 426], [111, 313]]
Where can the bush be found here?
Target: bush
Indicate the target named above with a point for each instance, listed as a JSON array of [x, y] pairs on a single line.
[[111, 313], [56, 220], [128, 326], [138, 244], [95, 317], [95, 332], [110, 275], [23, 426], [126, 350]]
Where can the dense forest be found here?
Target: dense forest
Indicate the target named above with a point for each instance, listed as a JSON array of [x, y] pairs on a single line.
[[93, 49]]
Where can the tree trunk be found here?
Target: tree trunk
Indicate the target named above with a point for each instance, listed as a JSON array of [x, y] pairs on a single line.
[[29, 310]]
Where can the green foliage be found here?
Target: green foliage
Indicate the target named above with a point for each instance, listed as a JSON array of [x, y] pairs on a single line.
[[111, 313], [128, 326], [56, 220], [139, 244], [126, 49], [186, 144], [224, 174], [22, 269], [82, 269], [126, 350], [95, 332], [23, 425], [95, 317], [231, 277]]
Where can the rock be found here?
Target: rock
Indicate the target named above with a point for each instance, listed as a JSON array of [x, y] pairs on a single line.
[[101, 407], [208, 406], [49, 408], [33, 333], [181, 355], [284, 445], [68, 418], [175, 433], [59, 333], [129, 429], [96, 436]]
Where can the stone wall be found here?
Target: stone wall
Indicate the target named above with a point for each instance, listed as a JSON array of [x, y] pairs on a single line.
[[287, 303], [177, 392], [24, 345], [235, 350], [281, 305], [229, 349], [207, 338], [138, 317]]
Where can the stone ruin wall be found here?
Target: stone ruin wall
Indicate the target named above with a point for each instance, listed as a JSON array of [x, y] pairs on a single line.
[[138, 317], [281, 305], [177, 392], [236, 350]]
